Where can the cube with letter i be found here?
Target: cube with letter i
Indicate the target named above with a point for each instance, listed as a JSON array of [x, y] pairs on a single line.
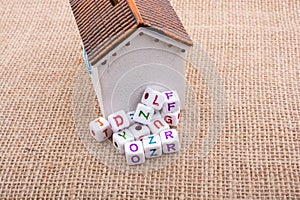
[[120, 138], [134, 153], [100, 129], [118, 120], [170, 141], [153, 98], [143, 114], [172, 103], [152, 146], [157, 125]]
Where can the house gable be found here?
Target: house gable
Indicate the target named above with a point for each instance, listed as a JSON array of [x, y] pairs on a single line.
[[143, 38], [144, 58]]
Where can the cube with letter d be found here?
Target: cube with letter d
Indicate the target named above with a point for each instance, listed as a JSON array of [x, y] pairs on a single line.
[[118, 120]]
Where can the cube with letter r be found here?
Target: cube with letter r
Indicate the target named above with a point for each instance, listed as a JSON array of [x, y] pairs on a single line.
[[170, 141]]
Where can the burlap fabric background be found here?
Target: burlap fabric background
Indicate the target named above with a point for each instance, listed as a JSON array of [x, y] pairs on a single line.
[[254, 45]]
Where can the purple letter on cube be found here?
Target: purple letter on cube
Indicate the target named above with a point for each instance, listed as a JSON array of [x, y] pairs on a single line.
[[136, 147], [135, 159], [168, 134], [169, 94], [171, 146], [171, 105]]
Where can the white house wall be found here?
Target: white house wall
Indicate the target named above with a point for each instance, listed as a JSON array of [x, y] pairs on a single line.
[[145, 58]]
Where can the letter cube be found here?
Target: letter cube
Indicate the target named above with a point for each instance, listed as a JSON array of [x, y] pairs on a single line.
[[153, 98], [118, 120], [120, 138], [170, 141], [143, 114], [172, 118], [152, 146], [134, 153], [100, 129], [156, 115], [130, 117], [139, 130], [172, 103], [157, 125]]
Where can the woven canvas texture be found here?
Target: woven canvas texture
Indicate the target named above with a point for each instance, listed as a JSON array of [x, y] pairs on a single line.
[[255, 48]]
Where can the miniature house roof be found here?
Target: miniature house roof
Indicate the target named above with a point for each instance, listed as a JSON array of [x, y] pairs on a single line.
[[103, 24]]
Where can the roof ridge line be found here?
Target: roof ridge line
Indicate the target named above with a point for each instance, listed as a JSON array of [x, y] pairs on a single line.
[[134, 9]]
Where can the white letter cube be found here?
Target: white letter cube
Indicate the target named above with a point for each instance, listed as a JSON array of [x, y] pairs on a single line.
[[100, 129], [134, 153], [130, 117], [139, 130], [172, 118], [143, 114], [172, 103], [170, 141], [152, 146], [157, 125], [118, 120], [153, 98], [121, 138], [156, 115]]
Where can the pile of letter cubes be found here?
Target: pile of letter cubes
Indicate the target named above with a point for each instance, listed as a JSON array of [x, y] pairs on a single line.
[[144, 132]]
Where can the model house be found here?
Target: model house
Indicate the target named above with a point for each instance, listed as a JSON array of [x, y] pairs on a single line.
[[131, 44]]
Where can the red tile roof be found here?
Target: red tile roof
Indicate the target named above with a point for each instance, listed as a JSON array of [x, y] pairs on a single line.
[[102, 25]]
